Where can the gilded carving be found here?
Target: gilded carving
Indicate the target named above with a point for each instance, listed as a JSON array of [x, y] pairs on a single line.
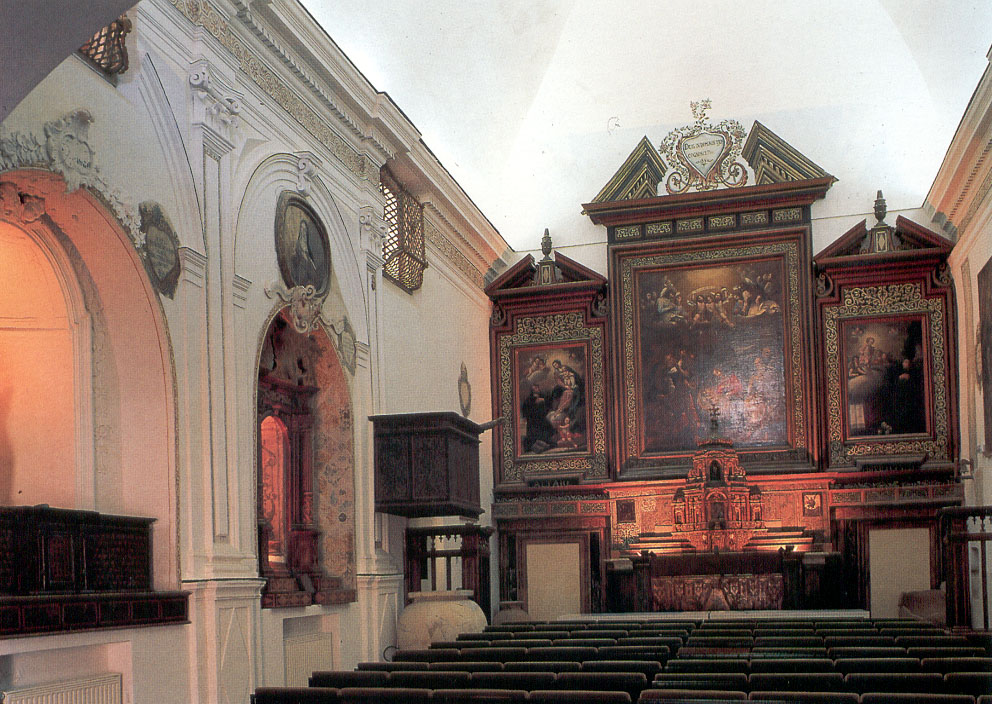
[[560, 327], [868, 302], [789, 251]]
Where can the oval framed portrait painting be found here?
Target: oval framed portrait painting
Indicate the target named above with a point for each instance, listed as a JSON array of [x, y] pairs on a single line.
[[302, 247]]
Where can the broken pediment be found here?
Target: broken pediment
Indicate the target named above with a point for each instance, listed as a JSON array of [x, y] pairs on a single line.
[[906, 239], [774, 160], [637, 178]]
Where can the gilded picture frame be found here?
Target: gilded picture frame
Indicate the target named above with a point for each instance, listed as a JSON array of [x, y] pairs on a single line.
[[707, 326], [552, 391], [913, 356]]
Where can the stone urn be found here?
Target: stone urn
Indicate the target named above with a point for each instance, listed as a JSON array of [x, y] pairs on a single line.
[[434, 616], [511, 612]]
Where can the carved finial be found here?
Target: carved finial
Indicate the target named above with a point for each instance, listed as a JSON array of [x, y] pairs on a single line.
[[546, 245], [880, 208], [714, 418]]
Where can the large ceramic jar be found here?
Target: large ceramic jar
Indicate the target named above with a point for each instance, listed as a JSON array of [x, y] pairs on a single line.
[[434, 616], [511, 612]]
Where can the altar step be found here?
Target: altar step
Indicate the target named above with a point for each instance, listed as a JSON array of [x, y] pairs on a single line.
[[675, 542]]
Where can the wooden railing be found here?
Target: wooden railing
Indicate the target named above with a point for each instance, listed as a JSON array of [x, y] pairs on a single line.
[[965, 530], [442, 554], [65, 570]]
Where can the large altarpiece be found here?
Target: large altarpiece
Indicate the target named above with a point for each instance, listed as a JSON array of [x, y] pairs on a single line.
[[834, 378]]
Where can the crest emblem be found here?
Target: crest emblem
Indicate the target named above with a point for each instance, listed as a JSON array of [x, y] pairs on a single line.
[[704, 156]]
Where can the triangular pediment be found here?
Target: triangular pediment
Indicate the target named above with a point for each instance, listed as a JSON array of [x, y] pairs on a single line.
[[637, 178], [907, 238], [774, 160], [524, 274]]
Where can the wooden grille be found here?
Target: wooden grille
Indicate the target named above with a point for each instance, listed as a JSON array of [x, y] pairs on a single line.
[[107, 50], [403, 247]]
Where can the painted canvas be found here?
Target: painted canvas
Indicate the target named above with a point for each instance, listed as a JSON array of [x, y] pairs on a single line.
[[550, 388], [885, 384], [985, 345], [302, 247], [712, 337]]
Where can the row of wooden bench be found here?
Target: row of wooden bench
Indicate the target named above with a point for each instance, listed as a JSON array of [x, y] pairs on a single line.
[[386, 695]]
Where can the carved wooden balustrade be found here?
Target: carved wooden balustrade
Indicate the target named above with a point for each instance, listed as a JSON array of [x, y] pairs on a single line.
[[429, 556], [64, 570], [965, 532]]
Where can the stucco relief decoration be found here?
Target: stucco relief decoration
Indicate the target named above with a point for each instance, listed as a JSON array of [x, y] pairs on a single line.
[[304, 305], [703, 155], [18, 207], [65, 149], [346, 343]]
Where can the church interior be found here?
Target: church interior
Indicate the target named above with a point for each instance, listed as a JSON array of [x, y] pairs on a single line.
[[320, 387]]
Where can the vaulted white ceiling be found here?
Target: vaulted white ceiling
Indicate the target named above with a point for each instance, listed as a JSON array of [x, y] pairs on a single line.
[[533, 104]]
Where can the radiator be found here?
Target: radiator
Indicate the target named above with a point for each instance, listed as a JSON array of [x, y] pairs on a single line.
[[306, 654], [99, 689]]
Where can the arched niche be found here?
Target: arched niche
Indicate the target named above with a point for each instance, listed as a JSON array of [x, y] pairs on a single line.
[[302, 385], [118, 374]]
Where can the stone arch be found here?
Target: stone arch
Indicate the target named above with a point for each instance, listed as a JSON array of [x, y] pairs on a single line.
[[278, 173], [122, 371], [312, 360]]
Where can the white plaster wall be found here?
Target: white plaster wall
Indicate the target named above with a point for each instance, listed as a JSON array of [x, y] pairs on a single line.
[[898, 561]]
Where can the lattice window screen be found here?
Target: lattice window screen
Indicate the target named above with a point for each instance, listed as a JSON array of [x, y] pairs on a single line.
[[107, 49], [403, 246]]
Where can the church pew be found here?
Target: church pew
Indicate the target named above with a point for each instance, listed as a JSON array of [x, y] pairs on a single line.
[[554, 696], [805, 697], [732, 681], [601, 633], [295, 695], [478, 696], [338, 679], [973, 683], [384, 695], [648, 667], [952, 664], [915, 698], [467, 666], [556, 652], [848, 651], [709, 696], [932, 641], [790, 641], [791, 665], [582, 642], [432, 679], [713, 665], [945, 652], [513, 680], [848, 665], [427, 655], [796, 681], [542, 666], [631, 682], [864, 682], [389, 666], [660, 653], [499, 654]]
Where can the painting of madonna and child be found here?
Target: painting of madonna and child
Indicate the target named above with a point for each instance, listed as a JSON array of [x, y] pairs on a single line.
[[884, 370], [551, 394], [712, 336]]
